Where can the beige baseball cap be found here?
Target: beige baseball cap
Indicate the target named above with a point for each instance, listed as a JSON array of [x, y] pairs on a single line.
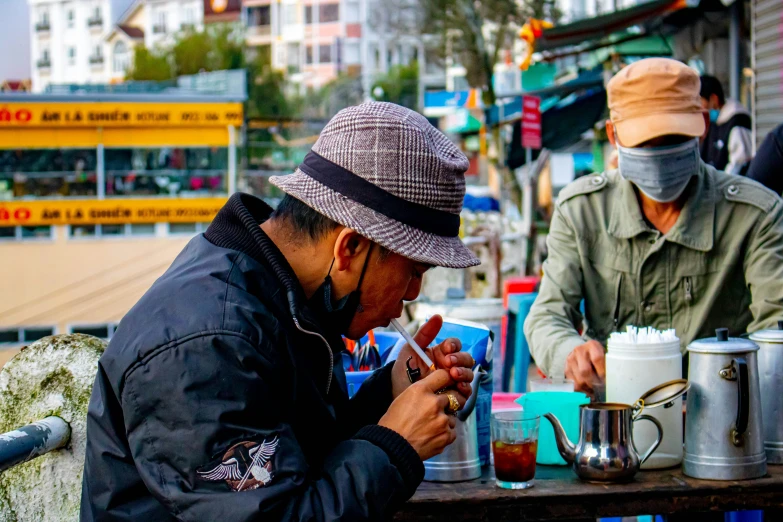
[[655, 97]]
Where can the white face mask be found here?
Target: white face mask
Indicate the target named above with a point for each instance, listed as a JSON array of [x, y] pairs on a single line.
[[661, 173]]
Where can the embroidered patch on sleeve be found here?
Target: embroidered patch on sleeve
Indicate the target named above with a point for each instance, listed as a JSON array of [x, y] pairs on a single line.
[[246, 465]]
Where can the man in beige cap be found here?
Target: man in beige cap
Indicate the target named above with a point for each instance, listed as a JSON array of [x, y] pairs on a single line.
[[664, 241]]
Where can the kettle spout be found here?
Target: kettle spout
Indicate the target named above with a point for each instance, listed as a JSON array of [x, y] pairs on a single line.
[[564, 446]]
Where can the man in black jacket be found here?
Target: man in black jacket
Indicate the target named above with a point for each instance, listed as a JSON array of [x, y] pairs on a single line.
[[222, 394]]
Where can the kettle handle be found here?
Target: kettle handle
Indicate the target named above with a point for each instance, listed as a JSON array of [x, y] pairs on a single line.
[[655, 444], [743, 401], [466, 410]]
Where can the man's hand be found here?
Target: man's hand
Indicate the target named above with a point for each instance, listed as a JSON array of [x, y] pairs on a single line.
[[586, 366], [419, 415], [446, 355]]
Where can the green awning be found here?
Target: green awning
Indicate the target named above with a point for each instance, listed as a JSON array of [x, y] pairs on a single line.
[[591, 29], [464, 123]]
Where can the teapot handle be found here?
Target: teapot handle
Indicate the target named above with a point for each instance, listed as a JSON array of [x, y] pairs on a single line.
[[655, 444]]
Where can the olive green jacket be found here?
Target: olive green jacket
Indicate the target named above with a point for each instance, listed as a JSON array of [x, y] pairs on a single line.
[[721, 265]]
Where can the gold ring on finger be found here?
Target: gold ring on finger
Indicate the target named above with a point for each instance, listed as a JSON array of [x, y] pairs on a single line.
[[453, 406]]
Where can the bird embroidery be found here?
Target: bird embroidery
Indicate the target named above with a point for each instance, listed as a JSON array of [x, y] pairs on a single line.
[[246, 465]]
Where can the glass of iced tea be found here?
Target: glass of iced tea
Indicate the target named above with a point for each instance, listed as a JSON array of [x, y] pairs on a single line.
[[514, 445]]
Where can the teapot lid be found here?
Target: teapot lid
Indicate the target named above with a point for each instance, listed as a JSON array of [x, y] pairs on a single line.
[[722, 343], [664, 394], [770, 335]]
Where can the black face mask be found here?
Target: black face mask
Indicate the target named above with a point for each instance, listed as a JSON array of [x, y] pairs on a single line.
[[336, 317]]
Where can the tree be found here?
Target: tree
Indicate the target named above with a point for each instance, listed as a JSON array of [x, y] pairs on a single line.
[[149, 66], [400, 86], [472, 30]]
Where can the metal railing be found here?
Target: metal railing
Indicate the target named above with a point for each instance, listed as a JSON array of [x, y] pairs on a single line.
[[43, 63], [42, 26], [158, 29], [95, 21], [31, 441], [95, 60]]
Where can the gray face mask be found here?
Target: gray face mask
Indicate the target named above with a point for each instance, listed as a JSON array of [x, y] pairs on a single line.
[[661, 173]]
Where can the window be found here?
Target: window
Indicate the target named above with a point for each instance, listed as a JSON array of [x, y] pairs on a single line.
[[159, 27], [309, 55], [187, 228], [141, 229], [25, 233], [96, 12], [70, 18], [83, 230], [25, 334], [45, 17], [166, 171], [259, 16], [308, 14], [112, 230], [8, 336], [40, 232], [290, 14], [121, 60], [71, 55], [101, 331], [292, 52], [325, 54], [352, 12], [328, 13], [97, 50], [45, 55], [352, 53]]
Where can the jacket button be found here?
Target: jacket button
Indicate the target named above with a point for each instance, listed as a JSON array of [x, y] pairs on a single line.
[[598, 180], [733, 190], [647, 307]]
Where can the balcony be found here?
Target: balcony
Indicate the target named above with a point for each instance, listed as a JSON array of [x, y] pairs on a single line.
[[259, 30], [158, 29], [42, 27], [43, 63], [96, 60], [186, 27], [95, 22]]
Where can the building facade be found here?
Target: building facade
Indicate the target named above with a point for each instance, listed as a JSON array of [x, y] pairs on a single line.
[[315, 41], [98, 194], [67, 40]]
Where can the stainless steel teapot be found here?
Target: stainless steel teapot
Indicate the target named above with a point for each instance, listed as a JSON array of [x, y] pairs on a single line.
[[605, 451]]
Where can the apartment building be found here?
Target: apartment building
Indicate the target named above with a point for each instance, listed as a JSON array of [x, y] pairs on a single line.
[[67, 40], [314, 41]]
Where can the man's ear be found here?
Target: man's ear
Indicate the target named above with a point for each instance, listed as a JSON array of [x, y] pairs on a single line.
[[610, 133], [349, 247]]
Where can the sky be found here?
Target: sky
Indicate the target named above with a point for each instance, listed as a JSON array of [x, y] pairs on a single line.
[[14, 40]]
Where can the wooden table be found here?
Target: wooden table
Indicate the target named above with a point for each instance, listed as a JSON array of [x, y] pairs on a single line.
[[559, 495]]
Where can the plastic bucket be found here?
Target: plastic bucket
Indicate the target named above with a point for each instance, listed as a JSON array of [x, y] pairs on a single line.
[[564, 406]]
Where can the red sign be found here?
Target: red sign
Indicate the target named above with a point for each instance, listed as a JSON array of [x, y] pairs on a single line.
[[531, 122]]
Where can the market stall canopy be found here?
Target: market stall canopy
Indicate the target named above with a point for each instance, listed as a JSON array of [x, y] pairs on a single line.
[[563, 124], [592, 29]]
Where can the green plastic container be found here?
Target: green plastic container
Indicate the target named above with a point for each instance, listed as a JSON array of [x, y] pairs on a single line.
[[564, 406]]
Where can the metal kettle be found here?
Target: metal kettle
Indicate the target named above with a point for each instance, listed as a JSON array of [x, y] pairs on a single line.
[[606, 451], [770, 356], [723, 429], [460, 460]]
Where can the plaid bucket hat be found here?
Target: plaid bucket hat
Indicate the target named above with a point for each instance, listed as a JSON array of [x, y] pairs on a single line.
[[386, 172]]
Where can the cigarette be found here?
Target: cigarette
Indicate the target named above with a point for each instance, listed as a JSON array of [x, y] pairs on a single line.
[[416, 348]]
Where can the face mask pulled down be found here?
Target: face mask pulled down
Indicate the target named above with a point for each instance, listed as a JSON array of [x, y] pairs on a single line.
[[336, 316], [661, 173]]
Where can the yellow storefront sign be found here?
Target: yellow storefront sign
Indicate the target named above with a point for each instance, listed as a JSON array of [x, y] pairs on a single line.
[[108, 211], [120, 114]]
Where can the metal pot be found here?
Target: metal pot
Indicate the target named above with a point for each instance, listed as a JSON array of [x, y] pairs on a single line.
[[460, 460], [723, 430], [770, 356], [606, 451]]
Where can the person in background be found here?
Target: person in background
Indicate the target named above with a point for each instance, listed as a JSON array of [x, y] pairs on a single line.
[[728, 145], [664, 241], [222, 394], [767, 165]]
